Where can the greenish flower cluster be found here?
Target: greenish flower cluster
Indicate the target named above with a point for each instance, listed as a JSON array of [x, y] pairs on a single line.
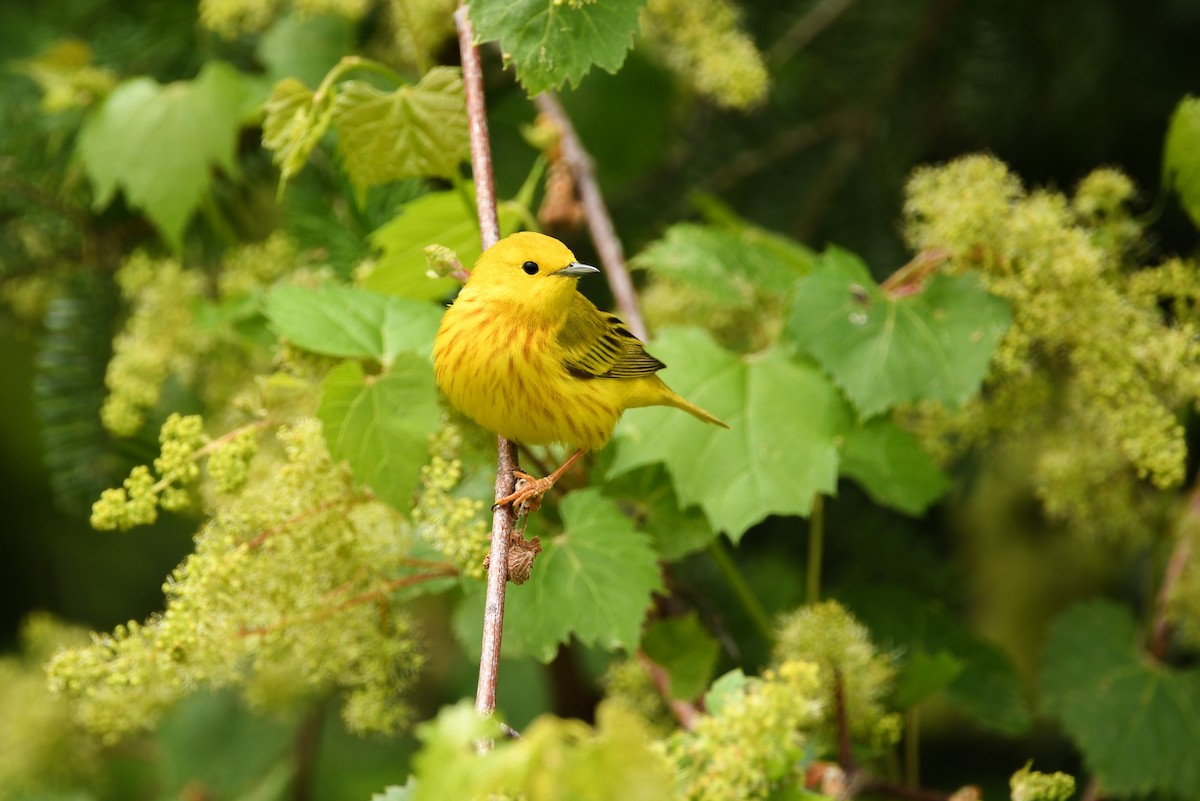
[[137, 501], [1028, 784], [231, 18], [287, 595], [159, 339], [255, 267], [753, 740], [831, 638], [228, 465], [704, 44], [452, 523], [627, 683], [1091, 368], [41, 753]]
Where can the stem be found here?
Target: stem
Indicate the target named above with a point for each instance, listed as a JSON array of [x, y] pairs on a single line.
[[604, 235], [1160, 638], [506, 453], [912, 747], [349, 64], [749, 601], [684, 711], [816, 545]]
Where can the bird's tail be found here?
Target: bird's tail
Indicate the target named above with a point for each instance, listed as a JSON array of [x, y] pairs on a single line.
[[694, 410]]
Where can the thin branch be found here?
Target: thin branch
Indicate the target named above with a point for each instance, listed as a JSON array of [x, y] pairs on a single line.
[[1181, 554], [503, 517], [807, 28], [816, 547], [684, 711], [604, 235]]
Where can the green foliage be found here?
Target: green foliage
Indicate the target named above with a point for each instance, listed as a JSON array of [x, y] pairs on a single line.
[[553, 42], [686, 650], [1181, 165], [645, 494], [144, 130], [1028, 784], [891, 466], [1095, 676]]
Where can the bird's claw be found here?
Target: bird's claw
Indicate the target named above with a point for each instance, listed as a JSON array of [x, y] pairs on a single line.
[[527, 495]]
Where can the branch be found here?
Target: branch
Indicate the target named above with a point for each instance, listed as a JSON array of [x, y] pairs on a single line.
[[506, 453], [1180, 556], [604, 235]]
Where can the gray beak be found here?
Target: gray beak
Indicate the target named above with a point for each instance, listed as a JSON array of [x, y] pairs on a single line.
[[575, 269]]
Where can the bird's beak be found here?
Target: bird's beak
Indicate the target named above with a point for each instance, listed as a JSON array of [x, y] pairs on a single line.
[[575, 269]]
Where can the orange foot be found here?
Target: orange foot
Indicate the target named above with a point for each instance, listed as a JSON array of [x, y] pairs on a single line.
[[527, 497]]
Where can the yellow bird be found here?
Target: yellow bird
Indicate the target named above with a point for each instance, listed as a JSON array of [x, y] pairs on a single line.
[[525, 355]]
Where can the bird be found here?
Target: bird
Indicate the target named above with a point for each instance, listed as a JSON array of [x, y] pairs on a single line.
[[522, 352]]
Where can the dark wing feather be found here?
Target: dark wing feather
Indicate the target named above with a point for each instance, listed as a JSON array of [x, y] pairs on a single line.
[[598, 345]]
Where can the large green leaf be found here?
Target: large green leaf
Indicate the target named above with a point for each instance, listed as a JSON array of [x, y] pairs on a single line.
[[933, 345], [645, 494], [1181, 155], [593, 580], [305, 46], [552, 42], [891, 466], [785, 419], [352, 323], [160, 144], [381, 424], [1136, 722], [940, 652], [413, 132]]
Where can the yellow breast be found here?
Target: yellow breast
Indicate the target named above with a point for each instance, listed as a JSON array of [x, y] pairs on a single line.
[[506, 376]]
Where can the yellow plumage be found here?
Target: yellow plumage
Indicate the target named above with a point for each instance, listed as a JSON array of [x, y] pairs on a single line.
[[528, 357]]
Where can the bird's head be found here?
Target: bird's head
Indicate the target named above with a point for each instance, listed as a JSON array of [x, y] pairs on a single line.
[[529, 269]]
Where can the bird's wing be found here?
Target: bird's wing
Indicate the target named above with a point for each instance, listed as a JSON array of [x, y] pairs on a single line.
[[598, 345]]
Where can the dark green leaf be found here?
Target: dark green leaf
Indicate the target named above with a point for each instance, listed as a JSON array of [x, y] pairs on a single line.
[[1181, 156], [1136, 722], [934, 345], [381, 425], [687, 651], [925, 674], [645, 494], [305, 46], [891, 466], [552, 42]]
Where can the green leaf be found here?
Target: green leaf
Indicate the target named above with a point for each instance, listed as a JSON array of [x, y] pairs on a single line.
[[646, 496], [987, 688], [552, 42], [352, 323], [687, 651], [414, 132], [1136, 722], [305, 46], [381, 425], [593, 580], [728, 687], [891, 466], [293, 125], [442, 218], [395, 792], [934, 345], [785, 420], [1181, 156], [159, 144], [925, 674]]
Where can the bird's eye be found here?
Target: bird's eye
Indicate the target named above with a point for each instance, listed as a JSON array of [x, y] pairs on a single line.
[[530, 267]]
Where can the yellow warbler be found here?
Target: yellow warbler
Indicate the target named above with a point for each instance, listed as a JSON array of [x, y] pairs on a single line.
[[525, 355]]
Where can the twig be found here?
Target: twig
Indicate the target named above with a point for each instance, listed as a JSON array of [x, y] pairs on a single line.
[[816, 547], [845, 755], [684, 711], [805, 29], [503, 517], [1180, 556], [604, 235], [741, 588]]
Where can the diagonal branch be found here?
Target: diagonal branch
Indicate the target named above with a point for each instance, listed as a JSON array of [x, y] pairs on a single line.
[[506, 453]]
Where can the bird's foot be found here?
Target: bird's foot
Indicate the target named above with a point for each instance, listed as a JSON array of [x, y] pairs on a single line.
[[527, 496]]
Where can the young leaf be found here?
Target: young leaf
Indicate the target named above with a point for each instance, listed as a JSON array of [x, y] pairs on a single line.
[[552, 42], [687, 651], [1137, 723], [934, 345], [593, 580], [293, 126], [414, 132], [1181, 156], [381, 427], [887, 461], [986, 686], [786, 419], [352, 323], [442, 218], [727, 687], [159, 144]]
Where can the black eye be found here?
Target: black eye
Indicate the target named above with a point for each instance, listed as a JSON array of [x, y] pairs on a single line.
[[530, 267]]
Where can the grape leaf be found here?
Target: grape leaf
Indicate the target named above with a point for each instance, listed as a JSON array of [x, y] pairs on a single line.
[[593, 580], [159, 144], [925, 674], [413, 132], [728, 687], [293, 125], [305, 46], [381, 425], [786, 419], [986, 687], [552, 42], [646, 496], [687, 651], [934, 345], [1136, 722], [352, 323], [442, 218], [1181, 156], [891, 466]]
